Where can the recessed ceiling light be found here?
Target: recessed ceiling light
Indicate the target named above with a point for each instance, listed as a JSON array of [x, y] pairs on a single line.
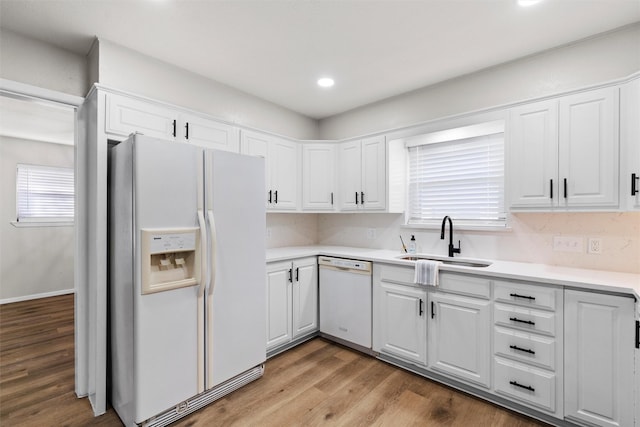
[[527, 3], [325, 82]]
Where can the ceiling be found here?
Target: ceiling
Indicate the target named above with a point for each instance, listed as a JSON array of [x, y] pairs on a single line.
[[276, 50]]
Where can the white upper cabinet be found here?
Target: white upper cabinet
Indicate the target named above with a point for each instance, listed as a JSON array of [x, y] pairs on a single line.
[[126, 115], [374, 177], [349, 173], [362, 174], [588, 161], [209, 134], [318, 176], [533, 137], [630, 145], [281, 158], [564, 152]]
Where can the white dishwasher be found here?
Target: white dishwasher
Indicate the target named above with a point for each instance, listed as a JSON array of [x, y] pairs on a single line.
[[345, 301]]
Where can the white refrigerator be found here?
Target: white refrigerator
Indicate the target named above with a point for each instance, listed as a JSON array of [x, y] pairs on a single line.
[[187, 277]]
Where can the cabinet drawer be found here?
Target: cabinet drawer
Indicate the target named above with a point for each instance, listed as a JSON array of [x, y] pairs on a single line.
[[524, 347], [467, 285], [394, 274], [526, 295], [527, 319], [526, 384]]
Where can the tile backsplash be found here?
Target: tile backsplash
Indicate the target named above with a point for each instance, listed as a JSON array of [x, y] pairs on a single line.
[[530, 238]]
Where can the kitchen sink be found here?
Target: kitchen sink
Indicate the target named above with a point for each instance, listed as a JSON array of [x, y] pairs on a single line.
[[445, 260]]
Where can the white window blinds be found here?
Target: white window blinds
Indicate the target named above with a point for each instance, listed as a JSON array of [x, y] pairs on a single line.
[[44, 193], [462, 178]]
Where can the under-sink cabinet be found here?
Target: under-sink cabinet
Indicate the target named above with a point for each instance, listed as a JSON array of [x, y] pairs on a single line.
[[399, 314], [292, 302], [459, 328]]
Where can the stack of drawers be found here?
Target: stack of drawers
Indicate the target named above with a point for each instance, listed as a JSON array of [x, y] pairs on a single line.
[[528, 345]]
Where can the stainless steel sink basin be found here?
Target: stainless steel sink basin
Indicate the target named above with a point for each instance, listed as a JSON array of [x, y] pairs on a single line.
[[445, 260]]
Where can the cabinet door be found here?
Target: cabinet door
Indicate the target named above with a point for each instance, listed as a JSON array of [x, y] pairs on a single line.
[[279, 289], [128, 115], [257, 144], [209, 134], [283, 159], [318, 176], [630, 145], [533, 155], [349, 173], [400, 322], [305, 297], [460, 337], [588, 158], [599, 358], [374, 173]]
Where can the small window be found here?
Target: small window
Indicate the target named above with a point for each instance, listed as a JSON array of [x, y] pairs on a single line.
[[461, 177], [44, 194]]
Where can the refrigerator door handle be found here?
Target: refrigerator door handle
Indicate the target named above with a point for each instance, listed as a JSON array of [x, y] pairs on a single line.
[[203, 257], [212, 233]]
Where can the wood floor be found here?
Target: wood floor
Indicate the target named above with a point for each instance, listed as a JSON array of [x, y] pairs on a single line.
[[317, 383]]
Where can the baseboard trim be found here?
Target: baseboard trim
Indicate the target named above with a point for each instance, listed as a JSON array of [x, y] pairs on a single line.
[[36, 296]]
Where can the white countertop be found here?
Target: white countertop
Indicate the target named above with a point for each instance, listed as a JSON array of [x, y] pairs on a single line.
[[608, 281]]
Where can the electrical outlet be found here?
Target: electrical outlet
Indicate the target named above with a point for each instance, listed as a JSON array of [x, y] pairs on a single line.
[[595, 245], [371, 233], [568, 244], [268, 232]]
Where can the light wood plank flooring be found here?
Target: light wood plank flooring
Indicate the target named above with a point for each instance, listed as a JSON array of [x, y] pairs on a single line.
[[317, 383]]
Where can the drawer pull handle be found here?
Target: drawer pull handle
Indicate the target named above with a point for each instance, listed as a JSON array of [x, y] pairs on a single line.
[[526, 387], [523, 296], [526, 350], [528, 322]]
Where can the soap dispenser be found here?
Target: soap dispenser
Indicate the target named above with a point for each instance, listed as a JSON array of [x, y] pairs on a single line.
[[412, 245]]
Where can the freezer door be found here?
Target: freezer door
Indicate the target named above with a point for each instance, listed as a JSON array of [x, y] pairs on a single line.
[[167, 195], [236, 293]]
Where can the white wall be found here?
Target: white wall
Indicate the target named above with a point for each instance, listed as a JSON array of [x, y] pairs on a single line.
[[126, 69], [33, 62], [33, 260], [596, 60], [529, 240]]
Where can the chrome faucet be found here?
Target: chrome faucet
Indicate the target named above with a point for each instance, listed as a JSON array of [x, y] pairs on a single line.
[[452, 250]]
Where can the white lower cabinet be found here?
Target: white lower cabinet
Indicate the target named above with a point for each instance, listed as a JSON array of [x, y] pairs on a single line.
[[527, 345], [292, 301], [460, 335], [399, 314], [401, 322], [599, 358]]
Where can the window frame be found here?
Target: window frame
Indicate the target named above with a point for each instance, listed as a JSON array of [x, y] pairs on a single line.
[[453, 134], [67, 193]]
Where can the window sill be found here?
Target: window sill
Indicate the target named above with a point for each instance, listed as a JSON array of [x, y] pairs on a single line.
[[28, 224]]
